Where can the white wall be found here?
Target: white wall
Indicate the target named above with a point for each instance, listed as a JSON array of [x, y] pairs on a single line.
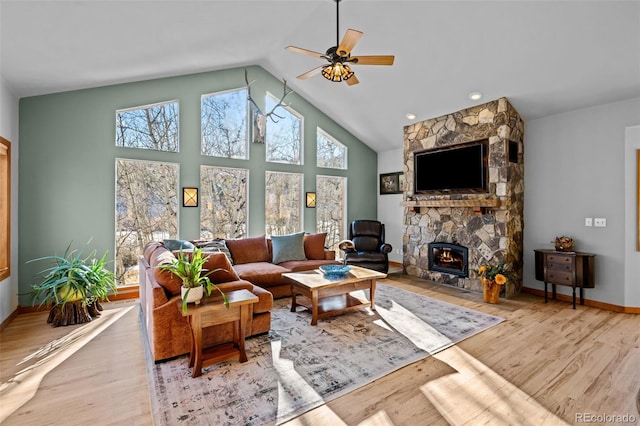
[[390, 208], [574, 169], [632, 252], [9, 131]]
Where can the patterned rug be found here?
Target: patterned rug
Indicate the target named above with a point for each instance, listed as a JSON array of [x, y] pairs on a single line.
[[297, 367]]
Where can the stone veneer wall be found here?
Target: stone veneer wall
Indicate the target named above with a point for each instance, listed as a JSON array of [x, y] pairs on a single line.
[[491, 234]]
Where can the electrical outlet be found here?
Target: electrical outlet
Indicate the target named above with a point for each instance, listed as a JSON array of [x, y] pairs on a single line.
[[600, 222], [588, 221]]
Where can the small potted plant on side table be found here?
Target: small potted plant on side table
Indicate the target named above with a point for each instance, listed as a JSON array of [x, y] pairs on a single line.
[[189, 267]]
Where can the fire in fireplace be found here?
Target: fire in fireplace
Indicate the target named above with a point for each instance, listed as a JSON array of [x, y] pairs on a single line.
[[449, 258]]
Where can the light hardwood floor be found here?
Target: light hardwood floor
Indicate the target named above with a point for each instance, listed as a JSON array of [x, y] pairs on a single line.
[[546, 364]]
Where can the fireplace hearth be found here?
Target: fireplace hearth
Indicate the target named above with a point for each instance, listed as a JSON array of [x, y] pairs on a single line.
[[449, 258]]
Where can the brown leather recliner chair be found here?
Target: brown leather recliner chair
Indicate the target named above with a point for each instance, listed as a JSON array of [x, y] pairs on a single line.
[[369, 251]]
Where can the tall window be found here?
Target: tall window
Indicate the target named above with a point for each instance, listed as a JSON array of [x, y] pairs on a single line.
[[148, 127], [146, 210], [284, 137], [224, 124], [329, 152], [223, 212], [331, 193], [5, 208], [283, 203]]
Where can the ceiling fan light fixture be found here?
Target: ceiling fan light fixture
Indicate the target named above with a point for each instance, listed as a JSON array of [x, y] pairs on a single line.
[[337, 72]]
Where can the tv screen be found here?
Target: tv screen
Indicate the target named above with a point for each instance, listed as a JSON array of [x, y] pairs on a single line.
[[457, 169]]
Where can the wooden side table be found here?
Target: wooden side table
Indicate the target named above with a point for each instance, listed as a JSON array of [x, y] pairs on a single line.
[[574, 269], [212, 311]]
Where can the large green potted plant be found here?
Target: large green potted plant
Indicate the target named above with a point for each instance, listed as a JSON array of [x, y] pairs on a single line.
[[74, 286], [189, 267]]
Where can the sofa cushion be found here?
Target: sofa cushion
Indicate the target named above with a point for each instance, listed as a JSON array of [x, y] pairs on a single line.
[[263, 274], [288, 247], [177, 244], [168, 280], [314, 246], [248, 250]]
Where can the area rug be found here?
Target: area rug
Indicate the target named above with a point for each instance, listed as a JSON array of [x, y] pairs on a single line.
[[297, 367]]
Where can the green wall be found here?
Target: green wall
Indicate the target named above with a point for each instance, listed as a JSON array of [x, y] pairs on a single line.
[[67, 158]]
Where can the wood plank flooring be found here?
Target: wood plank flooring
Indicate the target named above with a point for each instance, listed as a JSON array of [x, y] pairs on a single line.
[[546, 364]]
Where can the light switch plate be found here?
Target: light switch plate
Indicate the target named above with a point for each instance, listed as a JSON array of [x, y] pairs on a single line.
[[588, 221], [600, 222]]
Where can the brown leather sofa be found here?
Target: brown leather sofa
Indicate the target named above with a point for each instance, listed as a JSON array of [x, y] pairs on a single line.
[[253, 261], [167, 330]]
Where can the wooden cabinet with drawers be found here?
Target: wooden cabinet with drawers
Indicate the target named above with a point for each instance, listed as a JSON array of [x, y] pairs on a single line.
[[573, 269]]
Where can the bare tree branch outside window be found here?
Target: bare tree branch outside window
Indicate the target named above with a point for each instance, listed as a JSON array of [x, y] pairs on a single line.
[[223, 213], [331, 196], [329, 152], [146, 210], [284, 138], [224, 124], [152, 127], [283, 203]]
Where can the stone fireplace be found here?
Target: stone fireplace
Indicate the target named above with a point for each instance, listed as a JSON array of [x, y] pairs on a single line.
[[488, 225]]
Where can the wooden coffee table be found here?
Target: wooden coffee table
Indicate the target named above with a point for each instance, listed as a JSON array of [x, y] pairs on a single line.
[[212, 311], [328, 296]]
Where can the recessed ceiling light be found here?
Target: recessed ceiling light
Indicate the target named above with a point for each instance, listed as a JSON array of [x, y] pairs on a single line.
[[475, 96], [411, 116]]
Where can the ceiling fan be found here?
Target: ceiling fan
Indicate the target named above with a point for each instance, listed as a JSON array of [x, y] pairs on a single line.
[[339, 56]]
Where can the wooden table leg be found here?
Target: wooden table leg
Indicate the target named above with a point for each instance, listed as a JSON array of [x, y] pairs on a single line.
[[293, 298], [372, 294], [314, 307], [242, 325], [546, 296], [196, 330]]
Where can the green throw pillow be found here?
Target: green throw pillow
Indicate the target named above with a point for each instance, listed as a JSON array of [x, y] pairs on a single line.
[[288, 247]]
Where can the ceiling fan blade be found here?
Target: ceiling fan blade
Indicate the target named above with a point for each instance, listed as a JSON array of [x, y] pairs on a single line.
[[349, 40], [307, 52], [372, 60], [352, 80], [311, 73]]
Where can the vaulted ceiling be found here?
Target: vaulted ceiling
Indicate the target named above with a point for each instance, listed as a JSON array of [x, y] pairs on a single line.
[[545, 57]]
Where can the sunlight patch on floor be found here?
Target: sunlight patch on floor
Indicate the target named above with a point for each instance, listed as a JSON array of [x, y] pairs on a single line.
[[287, 373], [413, 328], [19, 389], [476, 394]]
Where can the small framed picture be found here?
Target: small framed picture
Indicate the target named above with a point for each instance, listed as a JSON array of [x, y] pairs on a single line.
[[391, 183]]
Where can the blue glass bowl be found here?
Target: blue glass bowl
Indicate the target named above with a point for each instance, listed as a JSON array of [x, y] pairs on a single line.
[[335, 270]]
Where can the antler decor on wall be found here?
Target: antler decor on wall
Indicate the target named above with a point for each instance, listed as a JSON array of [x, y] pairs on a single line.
[[259, 117]]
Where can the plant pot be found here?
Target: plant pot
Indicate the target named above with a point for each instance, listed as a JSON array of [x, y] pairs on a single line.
[[491, 291], [564, 248], [193, 295]]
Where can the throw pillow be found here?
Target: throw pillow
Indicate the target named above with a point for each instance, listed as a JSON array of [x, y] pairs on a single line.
[[288, 247], [168, 280], [248, 250], [177, 244], [314, 246], [220, 261], [217, 245]]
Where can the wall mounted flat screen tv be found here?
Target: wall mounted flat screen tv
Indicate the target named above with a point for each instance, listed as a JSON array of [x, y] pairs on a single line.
[[457, 169]]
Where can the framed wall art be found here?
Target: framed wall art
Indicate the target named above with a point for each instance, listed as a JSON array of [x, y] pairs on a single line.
[[391, 183]]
